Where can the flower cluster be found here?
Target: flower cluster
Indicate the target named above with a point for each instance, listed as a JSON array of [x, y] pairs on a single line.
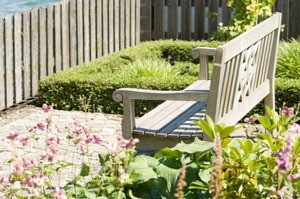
[[283, 157]]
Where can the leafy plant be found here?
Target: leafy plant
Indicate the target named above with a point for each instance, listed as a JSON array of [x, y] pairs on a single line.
[[246, 14]]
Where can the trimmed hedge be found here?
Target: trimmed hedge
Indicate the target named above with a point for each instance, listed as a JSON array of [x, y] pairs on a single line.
[[96, 81]]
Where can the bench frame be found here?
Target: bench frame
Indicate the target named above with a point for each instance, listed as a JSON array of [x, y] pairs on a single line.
[[243, 75]]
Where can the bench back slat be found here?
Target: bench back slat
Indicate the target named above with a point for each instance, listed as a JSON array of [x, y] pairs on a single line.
[[242, 68]]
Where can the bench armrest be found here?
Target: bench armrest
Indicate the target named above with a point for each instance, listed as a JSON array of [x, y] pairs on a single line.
[[143, 94], [203, 53], [129, 95]]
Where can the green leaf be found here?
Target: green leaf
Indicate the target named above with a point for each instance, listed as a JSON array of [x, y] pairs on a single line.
[[226, 141], [265, 122], [198, 185], [85, 170], [205, 174], [195, 147], [227, 131], [144, 167], [206, 128]]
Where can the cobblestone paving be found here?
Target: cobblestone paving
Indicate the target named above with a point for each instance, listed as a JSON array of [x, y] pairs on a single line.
[[20, 119]]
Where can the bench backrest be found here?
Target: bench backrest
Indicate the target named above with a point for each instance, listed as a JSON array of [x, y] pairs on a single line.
[[243, 73]]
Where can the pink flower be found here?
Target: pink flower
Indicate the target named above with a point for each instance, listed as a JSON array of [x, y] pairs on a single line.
[[46, 108], [86, 131], [40, 126], [3, 180], [295, 128], [123, 143], [38, 180], [283, 157], [76, 122], [52, 149], [19, 170], [97, 139], [59, 194], [28, 164], [50, 140], [28, 181], [43, 156], [282, 191], [88, 140], [249, 120], [76, 140], [24, 140], [288, 112], [58, 140], [50, 158], [13, 136], [82, 152]]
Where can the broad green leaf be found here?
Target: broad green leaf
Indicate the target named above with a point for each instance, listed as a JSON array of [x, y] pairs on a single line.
[[226, 141], [143, 166], [227, 131], [273, 114], [85, 170], [265, 122], [199, 185], [205, 174], [206, 128], [170, 175], [267, 137], [167, 152], [195, 147]]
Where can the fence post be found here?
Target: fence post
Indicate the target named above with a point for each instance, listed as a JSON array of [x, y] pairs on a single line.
[[213, 11], [145, 20], [186, 7], [199, 19], [172, 19]]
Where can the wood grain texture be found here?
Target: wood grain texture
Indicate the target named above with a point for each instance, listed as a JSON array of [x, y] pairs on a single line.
[[122, 23], [111, 26], [132, 20], [117, 25], [42, 43], [172, 19], [186, 9], [213, 10], [127, 24], [18, 58], [34, 51], [65, 35], [50, 39], [79, 35], [73, 34], [99, 34], [145, 20], [159, 9], [57, 30], [137, 21], [93, 29], [105, 26], [2, 72], [86, 30], [26, 55]]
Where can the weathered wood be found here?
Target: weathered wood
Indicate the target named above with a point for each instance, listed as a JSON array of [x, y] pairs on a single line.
[[2, 72], [213, 11], [283, 7], [117, 25], [199, 19], [234, 89], [127, 24], [105, 26], [186, 8], [42, 43], [159, 6], [122, 23], [132, 20], [86, 30], [80, 39], [57, 30], [65, 35], [99, 37], [172, 19], [137, 21], [294, 22], [110, 26], [93, 29], [145, 20], [50, 36], [26, 55], [34, 51], [9, 83], [18, 58], [226, 14], [73, 32]]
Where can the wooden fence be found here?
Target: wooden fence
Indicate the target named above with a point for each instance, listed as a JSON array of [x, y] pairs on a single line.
[[197, 19], [45, 40]]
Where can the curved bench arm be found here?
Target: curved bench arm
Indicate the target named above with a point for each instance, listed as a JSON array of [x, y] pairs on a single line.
[[203, 53], [129, 95]]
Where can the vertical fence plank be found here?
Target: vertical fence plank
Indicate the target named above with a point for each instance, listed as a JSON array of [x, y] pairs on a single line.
[[186, 8], [26, 55], [132, 19], [93, 29], [159, 7], [137, 21], [172, 19], [199, 19], [213, 10], [86, 30], [2, 73], [57, 29], [18, 58], [294, 19], [50, 22], [79, 32], [42, 43], [105, 26], [110, 26], [65, 35], [34, 51], [145, 20], [117, 24], [9, 62], [73, 32], [283, 7], [127, 24], [226, 14], [99, 28], [122, 24]]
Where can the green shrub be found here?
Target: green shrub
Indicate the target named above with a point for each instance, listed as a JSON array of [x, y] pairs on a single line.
[[288, 62], [134, 67]]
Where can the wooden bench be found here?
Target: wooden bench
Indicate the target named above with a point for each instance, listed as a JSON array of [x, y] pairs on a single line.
[[243, 75]]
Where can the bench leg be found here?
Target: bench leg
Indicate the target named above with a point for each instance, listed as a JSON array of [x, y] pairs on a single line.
[[128, 122], [270, 99]]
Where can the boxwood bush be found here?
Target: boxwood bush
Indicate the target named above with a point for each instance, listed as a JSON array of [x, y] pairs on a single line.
[[93, 83]]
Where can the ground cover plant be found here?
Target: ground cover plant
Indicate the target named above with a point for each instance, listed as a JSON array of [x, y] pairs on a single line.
[[263, 165]]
